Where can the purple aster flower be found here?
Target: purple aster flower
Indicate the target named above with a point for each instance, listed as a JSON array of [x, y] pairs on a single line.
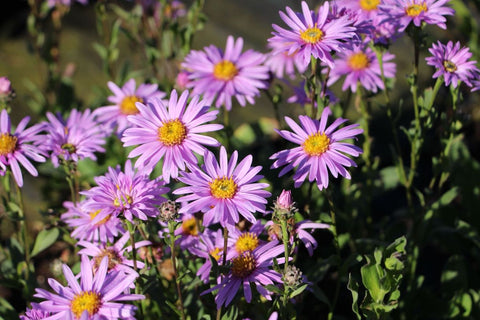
[[79, 137], [417, 11], [301, 97], [35, 313], [100, 294], [130, 193], [360, 66], [210, 244], [320, 149], [188, 232], [252, 267], [223, 189], [219, 76], [452, 63], [115, 253], [312, 34], [17, 147], [124, 100], [281, 62], [367, 9], [243, 241], [94, 226], [68, 3], [171, 132]]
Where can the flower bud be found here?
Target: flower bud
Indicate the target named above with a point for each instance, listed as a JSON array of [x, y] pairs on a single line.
[[284, 201], [5, 86]]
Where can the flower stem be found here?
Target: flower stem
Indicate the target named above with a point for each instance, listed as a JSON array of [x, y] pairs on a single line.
[[171, 229], [285, 238], [333, 228]]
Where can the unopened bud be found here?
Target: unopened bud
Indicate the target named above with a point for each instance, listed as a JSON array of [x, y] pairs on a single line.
[[5, 86]]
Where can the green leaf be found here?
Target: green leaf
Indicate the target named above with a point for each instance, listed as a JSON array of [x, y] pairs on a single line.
[[353, 287], [299, 290], [44, 240], [273, 288], [371, 281]]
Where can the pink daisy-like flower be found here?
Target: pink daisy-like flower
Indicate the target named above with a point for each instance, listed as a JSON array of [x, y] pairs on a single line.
[[17, 147], [188, 232], [219, 76], [68, 3], [124, 100], [367, 9], [417, 11], [35, 313], [130, 193], [320, 149], [93, 226], [223, 189], [251, 267], [101, 294], [311, 34], [452, 63], [76, 138], [360, 66], [280, 62], [115, 253], [240, 242], [171, 132], [210, 244]]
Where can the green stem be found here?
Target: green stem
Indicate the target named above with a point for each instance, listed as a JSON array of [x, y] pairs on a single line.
[[171, 229], [285, 238], [333, 228]]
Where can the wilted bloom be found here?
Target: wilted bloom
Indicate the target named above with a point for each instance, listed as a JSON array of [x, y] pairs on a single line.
[[223, 189], [311, 34], [251, 267], [171, 132], [76, 138], [210, 244], [17, 147], [100, 294], [124, 100], [131, 193], [168, 211], [220, 76], [93, 226], [115, 253], [292, 277], [452, 63], [320, 149], [417, 11], [360, 66]]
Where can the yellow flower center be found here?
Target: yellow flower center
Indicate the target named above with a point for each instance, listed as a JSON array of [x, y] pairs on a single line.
[[189, 226], [243, 266], [223, 188], [70, 148], [122, 201], [246, 242], [449, 66], [93, 214], [113, 258], [87, 300], [312, 35], [358, 61], [369, 5], [216, 253], [414, 10], [225, 70], [127, 106], [8, 143], [316, 144], [172, 133]]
